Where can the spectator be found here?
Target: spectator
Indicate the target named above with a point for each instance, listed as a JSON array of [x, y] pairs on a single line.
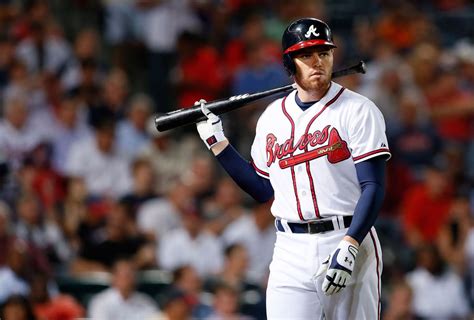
[[6, 59], [234, 273], [33, 12], [175, 306], [187, 246], [187, 280], [6, 236], [235, 267], [121, 21], [260, 72], [400, 303], [464, 53], [200, 176], [17, 308], [200, 74], [74, 211], [43, 51], [37, 261], [393, 81], [403, 25], [453, 236], [87, 89], [121, 301], [162, 24], [143, 185], [86, 48], [256, 232], [226, 304], [47, 183], [425, 207], [113, 96], [40, 231], [16, 138], [430, 282], [52, 306], [13, 275], [118, 239], [69, 127], [169, 156], [96, 160], [224, 207], [251, 32], [415, 140], [469, 255], [131, 132], [424, 60], [452, 109], [158, 216]]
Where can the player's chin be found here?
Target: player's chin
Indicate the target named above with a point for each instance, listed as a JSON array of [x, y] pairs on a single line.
[[319, 82]]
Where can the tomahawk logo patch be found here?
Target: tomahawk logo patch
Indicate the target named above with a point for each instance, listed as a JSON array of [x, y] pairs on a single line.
[[311, 31]]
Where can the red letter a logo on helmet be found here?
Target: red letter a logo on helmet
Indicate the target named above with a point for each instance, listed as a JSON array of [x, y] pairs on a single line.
[[338, 147]]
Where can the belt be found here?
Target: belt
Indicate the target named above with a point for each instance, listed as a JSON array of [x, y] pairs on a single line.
[[316, 226]]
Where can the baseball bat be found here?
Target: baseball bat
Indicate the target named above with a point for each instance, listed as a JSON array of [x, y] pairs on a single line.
[[193, 114]]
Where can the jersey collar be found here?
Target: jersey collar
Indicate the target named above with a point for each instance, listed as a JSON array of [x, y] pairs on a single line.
[[295, 111]]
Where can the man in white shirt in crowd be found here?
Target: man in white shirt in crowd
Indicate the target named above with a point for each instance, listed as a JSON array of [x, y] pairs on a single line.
[[132, 134], [95, 160], [256, 232], [12, 274], [438, 292], [168, 156], [16, 137], [158, 216], [191, 245], [121, 301]]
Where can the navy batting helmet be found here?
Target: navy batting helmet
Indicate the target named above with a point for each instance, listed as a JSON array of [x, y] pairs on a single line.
[[304, 33]]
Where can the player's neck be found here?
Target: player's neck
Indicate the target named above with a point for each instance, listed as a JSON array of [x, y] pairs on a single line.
[[311, 95]]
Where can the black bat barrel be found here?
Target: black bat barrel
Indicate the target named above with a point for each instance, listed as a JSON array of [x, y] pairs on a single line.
[[193, 114]]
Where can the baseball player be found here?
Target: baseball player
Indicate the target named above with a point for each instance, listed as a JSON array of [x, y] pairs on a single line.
[[320, 153]]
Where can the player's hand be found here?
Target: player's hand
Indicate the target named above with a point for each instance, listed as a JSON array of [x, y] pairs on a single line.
[[210, 130], [337, 268]]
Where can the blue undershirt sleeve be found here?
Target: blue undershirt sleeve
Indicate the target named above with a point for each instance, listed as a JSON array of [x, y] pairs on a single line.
[[371, 176], [243, 173]]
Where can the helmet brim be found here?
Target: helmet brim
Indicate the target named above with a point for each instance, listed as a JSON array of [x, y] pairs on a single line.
[[309, 43]]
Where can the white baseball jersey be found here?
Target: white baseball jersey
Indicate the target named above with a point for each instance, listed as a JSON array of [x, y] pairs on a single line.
[[310, 156]]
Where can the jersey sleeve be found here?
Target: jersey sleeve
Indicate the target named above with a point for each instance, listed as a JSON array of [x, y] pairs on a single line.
[[258, 151], [367, 138]]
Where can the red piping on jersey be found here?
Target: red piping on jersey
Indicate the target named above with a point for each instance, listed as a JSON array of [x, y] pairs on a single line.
[[308, 170], [263, 173], [382, 150], [298, 205], [378, 274]]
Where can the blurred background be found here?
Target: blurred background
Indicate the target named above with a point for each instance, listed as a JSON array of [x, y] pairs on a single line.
[[102, 216]]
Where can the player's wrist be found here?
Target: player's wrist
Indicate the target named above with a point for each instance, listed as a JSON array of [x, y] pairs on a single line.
[[351, 240], [219, 147]]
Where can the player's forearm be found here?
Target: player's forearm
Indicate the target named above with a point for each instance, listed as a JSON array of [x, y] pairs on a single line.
[[371, 175], [366, 212], [243, 173]]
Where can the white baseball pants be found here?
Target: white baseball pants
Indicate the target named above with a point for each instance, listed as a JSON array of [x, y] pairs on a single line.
[[293, 294]]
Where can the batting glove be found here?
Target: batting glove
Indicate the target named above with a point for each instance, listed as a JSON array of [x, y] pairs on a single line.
[[210, 130], [338, 268]]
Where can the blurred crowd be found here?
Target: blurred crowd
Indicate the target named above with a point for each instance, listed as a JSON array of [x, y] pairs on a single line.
[[89, 187]]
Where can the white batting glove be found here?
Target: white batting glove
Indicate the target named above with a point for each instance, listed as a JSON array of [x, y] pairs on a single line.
[[210, 130], [337, 268]]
